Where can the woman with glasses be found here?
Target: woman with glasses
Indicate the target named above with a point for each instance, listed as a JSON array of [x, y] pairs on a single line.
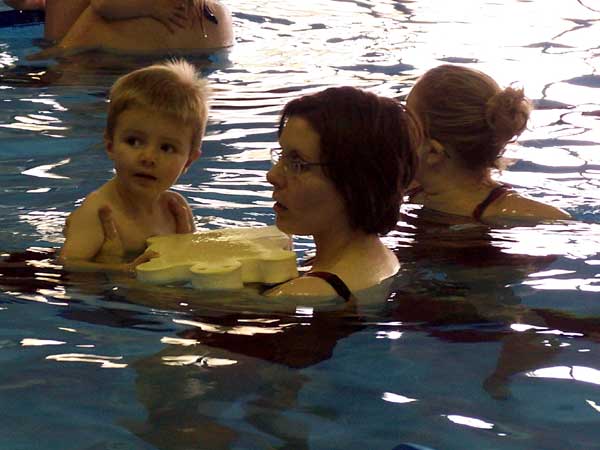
[[346, 157]]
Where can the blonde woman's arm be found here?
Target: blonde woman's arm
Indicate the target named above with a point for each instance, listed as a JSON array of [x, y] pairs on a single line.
[[172, 14], [61, 15]]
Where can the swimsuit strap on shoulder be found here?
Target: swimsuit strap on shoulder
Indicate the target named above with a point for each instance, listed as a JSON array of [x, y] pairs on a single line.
[[494, 195], [335, 282], [412, 193]]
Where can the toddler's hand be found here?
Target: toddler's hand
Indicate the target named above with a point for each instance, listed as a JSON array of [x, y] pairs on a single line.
[[172, 14], [143, 258], [112, 249], [184, 219]]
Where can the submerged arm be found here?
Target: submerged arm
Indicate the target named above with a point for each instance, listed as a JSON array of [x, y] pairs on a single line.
[[81, 265]]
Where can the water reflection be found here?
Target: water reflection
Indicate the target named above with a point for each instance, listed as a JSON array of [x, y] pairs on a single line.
[[291, 49], [576, 373], [513, 302], [106, 362]]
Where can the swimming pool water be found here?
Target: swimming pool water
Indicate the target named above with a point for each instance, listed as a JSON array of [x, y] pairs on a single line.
[[98, 363]]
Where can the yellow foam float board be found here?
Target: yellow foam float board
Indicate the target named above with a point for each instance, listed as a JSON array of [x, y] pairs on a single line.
[[221, 259]]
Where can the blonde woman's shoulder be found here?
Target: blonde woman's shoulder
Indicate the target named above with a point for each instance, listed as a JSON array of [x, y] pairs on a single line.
[[514, 206]]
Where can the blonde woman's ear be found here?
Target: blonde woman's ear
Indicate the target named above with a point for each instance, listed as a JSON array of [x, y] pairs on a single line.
[[434, 152], [436, 146]]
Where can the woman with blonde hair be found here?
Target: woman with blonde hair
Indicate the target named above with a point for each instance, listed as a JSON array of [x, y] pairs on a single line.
[[468, 120]]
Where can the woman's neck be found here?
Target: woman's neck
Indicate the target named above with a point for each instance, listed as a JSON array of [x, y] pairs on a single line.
[[333, 247], [359, 258], [456, 191]]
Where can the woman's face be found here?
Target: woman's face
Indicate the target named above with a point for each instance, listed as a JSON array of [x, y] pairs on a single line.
[[306, 201]]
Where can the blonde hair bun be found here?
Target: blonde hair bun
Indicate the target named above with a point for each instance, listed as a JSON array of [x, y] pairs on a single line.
[[507, 113]]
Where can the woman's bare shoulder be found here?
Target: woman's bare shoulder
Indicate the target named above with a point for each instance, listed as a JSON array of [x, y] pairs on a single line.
[[515, 206], [303, 286]]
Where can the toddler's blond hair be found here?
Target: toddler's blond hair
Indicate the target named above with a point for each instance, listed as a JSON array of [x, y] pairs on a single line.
[[174, 88]]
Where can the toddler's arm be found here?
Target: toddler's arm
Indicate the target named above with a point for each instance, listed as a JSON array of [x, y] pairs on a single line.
[[91, 245], [83, 233]]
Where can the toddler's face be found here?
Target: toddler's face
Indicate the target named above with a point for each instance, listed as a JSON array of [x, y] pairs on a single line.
[[150, 150]]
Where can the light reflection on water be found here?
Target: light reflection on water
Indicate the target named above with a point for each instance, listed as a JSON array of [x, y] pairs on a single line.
[[521, 279], [290, 48]]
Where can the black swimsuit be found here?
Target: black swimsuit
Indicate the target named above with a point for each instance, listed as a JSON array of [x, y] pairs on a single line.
[[495, 194], [335, 282]]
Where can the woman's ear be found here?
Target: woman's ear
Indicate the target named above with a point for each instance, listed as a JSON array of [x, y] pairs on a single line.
[[434, 152], [436, 145]]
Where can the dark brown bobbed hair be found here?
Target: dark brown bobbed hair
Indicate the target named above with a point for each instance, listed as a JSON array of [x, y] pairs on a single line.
[[368, 144], [466, 109]]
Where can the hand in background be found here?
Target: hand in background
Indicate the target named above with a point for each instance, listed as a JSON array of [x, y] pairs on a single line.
[[184, 219], [172, 14], [112, 249]]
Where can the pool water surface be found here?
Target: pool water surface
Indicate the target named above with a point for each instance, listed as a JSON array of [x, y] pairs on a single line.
[[489, 338]]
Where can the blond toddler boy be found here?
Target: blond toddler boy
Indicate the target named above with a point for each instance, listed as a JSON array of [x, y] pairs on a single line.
[[156, 120]]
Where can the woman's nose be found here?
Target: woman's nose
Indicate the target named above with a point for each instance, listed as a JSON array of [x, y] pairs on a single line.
[[275, 176]]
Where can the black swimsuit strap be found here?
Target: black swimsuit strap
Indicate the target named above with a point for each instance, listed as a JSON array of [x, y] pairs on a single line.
[[413, 192], [494, 195], [335, 282]]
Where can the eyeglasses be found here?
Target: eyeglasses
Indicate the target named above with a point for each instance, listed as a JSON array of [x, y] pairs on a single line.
[[291, 164]]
